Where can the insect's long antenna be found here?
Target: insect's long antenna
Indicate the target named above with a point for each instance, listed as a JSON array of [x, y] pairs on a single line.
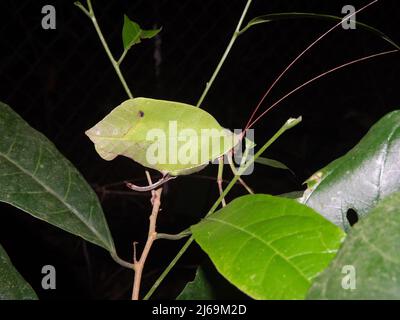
[[297, 58], [320, 76]]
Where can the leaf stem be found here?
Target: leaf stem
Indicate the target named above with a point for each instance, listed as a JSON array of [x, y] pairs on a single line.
[[90, 13], [122, 56], [178, 236], [82, 7], [225, 55], [121, 262], [288, 125]]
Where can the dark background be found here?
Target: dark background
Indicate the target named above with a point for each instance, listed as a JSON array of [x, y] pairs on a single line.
[[61, 82]]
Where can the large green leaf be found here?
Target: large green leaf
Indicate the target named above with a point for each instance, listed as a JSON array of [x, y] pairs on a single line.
[[307, 15], [361, 178], [35, 177], [269, 247], [12, 285], [372, 251]]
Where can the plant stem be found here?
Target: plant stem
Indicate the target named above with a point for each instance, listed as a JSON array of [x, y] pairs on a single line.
[[92, 16], [288, 125], [168, 269], [185, 233], [223, 58], [122, 56], [152, 236], [121, 262]]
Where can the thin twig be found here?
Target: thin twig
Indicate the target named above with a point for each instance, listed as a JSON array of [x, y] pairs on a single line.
[[121, 262], [92, 16], [225, 54], [122, 56], [178, 236], [134, 252], [152, 235]]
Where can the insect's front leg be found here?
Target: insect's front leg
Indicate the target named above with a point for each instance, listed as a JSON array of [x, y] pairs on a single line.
[[150, 187]]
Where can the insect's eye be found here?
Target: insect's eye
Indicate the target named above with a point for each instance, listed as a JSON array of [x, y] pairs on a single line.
[[140, 114]]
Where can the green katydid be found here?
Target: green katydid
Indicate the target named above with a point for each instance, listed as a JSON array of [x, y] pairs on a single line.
[[126, 131], [182, 131]]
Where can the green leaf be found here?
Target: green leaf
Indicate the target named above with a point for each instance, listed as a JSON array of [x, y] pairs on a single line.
[[36, 178], [148, 34], [272, 163], [296, 15], [167, 136], [292, 194], [269, 247], [198, 289], [371, 254], [12, 285], [361, 178], [132, 33], [208, 284]]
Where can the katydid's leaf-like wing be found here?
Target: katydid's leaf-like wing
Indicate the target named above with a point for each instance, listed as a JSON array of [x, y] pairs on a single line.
[[12, 285], [167, 136], [361, 178], [36, 178]]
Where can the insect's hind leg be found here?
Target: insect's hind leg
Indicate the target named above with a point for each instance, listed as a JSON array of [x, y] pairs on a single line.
[[219, 178], [244, 184]]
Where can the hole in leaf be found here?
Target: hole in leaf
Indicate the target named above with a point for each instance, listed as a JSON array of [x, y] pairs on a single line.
[[352, 216]]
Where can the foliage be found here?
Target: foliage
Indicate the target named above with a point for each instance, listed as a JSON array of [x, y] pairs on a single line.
[[36, 178], [372, 251], [269, 247], [361, 178], [133, 34], [12, 284]]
